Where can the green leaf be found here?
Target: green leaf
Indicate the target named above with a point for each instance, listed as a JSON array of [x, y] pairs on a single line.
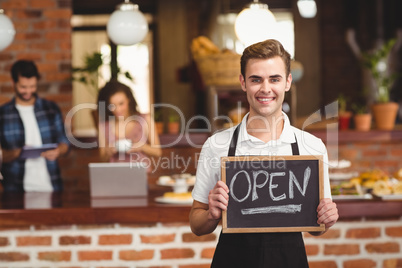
[[128, 75], [383, 79]]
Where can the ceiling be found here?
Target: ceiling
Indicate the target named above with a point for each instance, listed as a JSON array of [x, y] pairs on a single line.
[[150, 6]]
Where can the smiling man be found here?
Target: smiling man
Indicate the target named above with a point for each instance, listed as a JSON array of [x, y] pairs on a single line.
[[265, 78], [28, 120]]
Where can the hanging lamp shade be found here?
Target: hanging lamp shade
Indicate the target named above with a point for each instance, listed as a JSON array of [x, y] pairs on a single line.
[[7, 31], [307, 8], [127, 25], [255, 23]]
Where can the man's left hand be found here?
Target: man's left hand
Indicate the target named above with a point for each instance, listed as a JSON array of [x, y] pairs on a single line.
[[51, 155], [327, 213]]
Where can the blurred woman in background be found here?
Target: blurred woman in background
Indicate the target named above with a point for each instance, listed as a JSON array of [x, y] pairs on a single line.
[[124, 134]]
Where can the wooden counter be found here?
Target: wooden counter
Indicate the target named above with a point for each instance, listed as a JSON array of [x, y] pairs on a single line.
[[78, 208]]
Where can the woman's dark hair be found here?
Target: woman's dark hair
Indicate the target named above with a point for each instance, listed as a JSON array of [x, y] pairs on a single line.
[[24, 68], [108, 91]]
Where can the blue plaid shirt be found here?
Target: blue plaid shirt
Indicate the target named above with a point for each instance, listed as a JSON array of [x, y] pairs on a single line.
[[12, 136]]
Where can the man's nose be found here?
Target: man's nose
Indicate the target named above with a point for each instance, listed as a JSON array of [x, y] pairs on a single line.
[[265, 86]]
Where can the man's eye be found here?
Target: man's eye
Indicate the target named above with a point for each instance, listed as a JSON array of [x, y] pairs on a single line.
[[255, 80]]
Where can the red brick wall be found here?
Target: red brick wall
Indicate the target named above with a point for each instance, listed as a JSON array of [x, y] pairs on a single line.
[[43, 34], [357, 244], [366, 243], [366, 156]]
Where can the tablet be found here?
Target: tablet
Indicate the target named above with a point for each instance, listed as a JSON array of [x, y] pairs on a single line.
[[35, 151]]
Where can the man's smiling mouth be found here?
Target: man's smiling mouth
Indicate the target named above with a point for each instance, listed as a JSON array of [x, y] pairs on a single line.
[[265, 99]]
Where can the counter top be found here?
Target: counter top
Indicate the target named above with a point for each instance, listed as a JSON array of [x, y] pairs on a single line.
[[80, 208], [65, 208]]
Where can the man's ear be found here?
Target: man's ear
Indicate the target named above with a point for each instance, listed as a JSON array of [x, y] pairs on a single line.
[[288, 82], [242, 82]]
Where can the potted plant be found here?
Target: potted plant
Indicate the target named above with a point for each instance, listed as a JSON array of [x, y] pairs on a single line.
[[159, 126], [362, 117], [384, 110], [89, 75], [174, 124], [344, 114]]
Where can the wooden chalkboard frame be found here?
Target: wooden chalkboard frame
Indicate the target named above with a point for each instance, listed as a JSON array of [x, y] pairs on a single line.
[[318, 228]]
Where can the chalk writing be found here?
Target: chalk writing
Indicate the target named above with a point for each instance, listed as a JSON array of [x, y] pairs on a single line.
[[272, 209], [306, 178], [253, 185]]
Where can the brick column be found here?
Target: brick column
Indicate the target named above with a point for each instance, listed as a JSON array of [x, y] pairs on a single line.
[[43, 34]]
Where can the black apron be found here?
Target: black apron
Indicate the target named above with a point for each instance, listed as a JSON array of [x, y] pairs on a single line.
[[260, 250]]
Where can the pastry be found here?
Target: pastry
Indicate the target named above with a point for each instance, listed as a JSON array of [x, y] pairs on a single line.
[[177, 196], [397, 188], [381, 188]]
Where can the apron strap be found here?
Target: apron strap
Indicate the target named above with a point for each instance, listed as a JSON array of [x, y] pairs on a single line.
[[295, 147], [233, 143]]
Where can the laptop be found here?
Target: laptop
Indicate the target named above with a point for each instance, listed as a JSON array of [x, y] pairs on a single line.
[[118, 180]]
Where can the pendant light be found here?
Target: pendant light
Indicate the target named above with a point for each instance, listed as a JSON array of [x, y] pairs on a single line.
[[307, 8], [127, 25], [7, 31], [255, 23]]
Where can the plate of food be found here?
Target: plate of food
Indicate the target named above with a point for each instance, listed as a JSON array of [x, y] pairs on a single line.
[[179, 182], [175, 198], [348, 191], [390, 189], [335, 164], [188, 179], [341, 176], [352, 197]]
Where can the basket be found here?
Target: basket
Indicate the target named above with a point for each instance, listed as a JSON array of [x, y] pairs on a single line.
[[219, 69]]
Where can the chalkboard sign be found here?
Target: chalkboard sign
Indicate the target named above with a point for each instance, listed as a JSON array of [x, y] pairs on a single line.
[[272, 193]]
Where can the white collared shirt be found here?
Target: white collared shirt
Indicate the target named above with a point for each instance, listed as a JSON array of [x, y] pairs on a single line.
[[217, 146]]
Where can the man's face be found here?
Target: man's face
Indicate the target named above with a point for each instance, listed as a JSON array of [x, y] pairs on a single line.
[[25, 89], [265, 84]]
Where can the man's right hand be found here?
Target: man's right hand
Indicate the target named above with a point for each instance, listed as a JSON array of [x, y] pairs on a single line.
[[218, 199], [11, 155], [205, 217]]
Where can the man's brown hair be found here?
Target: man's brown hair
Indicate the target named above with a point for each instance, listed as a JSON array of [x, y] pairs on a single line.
[[267, 49]]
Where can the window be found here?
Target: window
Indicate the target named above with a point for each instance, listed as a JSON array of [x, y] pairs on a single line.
[[90, 36], [225, 37]]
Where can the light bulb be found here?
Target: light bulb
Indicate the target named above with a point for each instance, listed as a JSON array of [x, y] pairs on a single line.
[[296, 69], [307, 8], [127, 25], [7, 31], [255, 23]]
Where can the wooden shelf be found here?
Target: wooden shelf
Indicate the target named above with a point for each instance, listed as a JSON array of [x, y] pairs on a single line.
[[344, 136], [350, 136]]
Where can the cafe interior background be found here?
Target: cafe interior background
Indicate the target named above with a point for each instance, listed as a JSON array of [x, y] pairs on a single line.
[[326, 46]]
